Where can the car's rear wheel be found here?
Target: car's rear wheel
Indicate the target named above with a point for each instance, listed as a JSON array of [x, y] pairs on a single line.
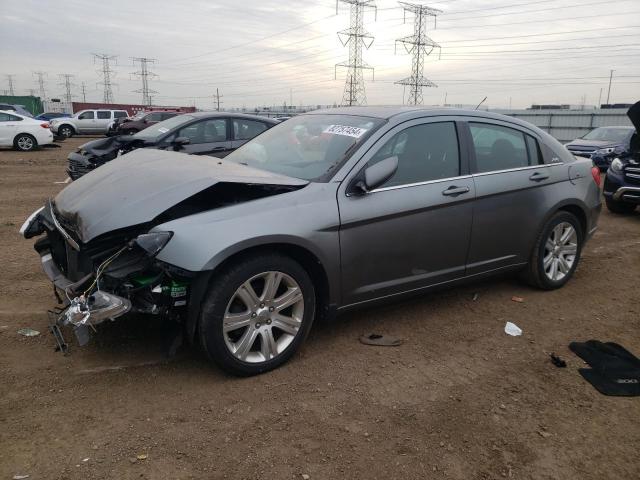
[[257, 313], [25, 142], [556, 252], [619, 207], [66, 131]]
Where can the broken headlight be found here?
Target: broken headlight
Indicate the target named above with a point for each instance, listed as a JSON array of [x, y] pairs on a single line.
[[153, 242]]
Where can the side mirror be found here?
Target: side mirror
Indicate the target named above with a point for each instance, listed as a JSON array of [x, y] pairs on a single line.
[[180, 142], [377, 174]]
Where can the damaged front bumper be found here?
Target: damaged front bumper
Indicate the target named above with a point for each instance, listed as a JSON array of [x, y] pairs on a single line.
[[103, 281]]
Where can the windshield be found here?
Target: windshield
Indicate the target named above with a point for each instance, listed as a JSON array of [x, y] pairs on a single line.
[[306, 146], [610, 134], [153, 132]]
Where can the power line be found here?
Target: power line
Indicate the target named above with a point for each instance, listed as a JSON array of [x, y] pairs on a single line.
[[355, 37], [144, 74], [419, 45], [106, 74], [10, 82]]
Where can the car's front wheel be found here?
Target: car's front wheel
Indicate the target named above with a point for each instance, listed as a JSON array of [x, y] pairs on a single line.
[[556, 252], [25, 142], [257, 313]]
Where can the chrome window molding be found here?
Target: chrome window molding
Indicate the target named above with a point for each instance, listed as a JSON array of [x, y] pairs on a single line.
[[418, 184], [529, 167]]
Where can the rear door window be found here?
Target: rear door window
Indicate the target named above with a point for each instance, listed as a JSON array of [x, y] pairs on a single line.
[[498, 148], [533, 148], [247, 129], [104, 115]]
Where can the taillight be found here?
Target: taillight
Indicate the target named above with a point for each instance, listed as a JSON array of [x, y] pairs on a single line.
[[44, 125], [595, 172]]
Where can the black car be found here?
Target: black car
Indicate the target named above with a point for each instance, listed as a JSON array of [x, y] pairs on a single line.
[[602, 145], [216, 134], [622, 182]]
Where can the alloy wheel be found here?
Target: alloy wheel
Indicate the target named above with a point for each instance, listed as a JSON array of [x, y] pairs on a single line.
[[263, 317], [25, 143], [560, 251]]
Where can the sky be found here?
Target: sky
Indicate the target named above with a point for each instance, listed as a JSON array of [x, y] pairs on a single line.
[[266, 52]]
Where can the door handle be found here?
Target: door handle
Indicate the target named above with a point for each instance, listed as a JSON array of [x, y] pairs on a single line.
[[538, 176], [455, 191]]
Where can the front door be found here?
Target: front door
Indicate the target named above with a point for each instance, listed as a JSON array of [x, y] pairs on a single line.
[[206, 137], [413, 231], [513, 186], [8, 125], [86, 122]]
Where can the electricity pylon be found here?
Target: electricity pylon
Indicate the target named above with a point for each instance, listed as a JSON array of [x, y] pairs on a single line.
[[419, 45], [357, 38]]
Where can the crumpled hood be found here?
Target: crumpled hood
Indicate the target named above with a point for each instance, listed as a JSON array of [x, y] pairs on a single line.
[[591, 143], [137, 187]]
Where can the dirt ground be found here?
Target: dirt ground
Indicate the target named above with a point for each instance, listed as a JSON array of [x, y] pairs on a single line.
[[458, 400]]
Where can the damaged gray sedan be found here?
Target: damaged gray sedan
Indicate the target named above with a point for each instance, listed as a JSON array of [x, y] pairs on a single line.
[[324, 212]]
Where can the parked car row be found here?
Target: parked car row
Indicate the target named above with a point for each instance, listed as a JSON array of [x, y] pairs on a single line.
[[247, 251], [214, 133]]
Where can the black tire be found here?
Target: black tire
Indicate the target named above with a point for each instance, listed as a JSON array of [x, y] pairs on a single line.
[[129, 132], [25, 142], [534, 273], [620, 208], [66, 131], [221, 293]]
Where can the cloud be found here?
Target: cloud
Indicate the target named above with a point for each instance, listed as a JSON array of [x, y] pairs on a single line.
[[264, 52]]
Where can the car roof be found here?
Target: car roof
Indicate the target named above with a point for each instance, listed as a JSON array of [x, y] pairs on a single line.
[[401, 113], [231, 114]]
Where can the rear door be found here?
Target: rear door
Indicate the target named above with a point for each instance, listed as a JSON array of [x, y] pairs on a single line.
[[103, 119], [413, 231], [207, 137], [245, 129], [513, 189]]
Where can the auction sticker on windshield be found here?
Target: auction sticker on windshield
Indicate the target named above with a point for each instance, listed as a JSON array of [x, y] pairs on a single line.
[[163, 130], [355, 132]]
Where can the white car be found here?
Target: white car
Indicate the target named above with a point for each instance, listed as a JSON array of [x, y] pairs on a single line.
[[23, 133], [86, 122]]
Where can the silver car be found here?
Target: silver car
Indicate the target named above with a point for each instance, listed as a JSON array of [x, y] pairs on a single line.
[[325, 212]]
